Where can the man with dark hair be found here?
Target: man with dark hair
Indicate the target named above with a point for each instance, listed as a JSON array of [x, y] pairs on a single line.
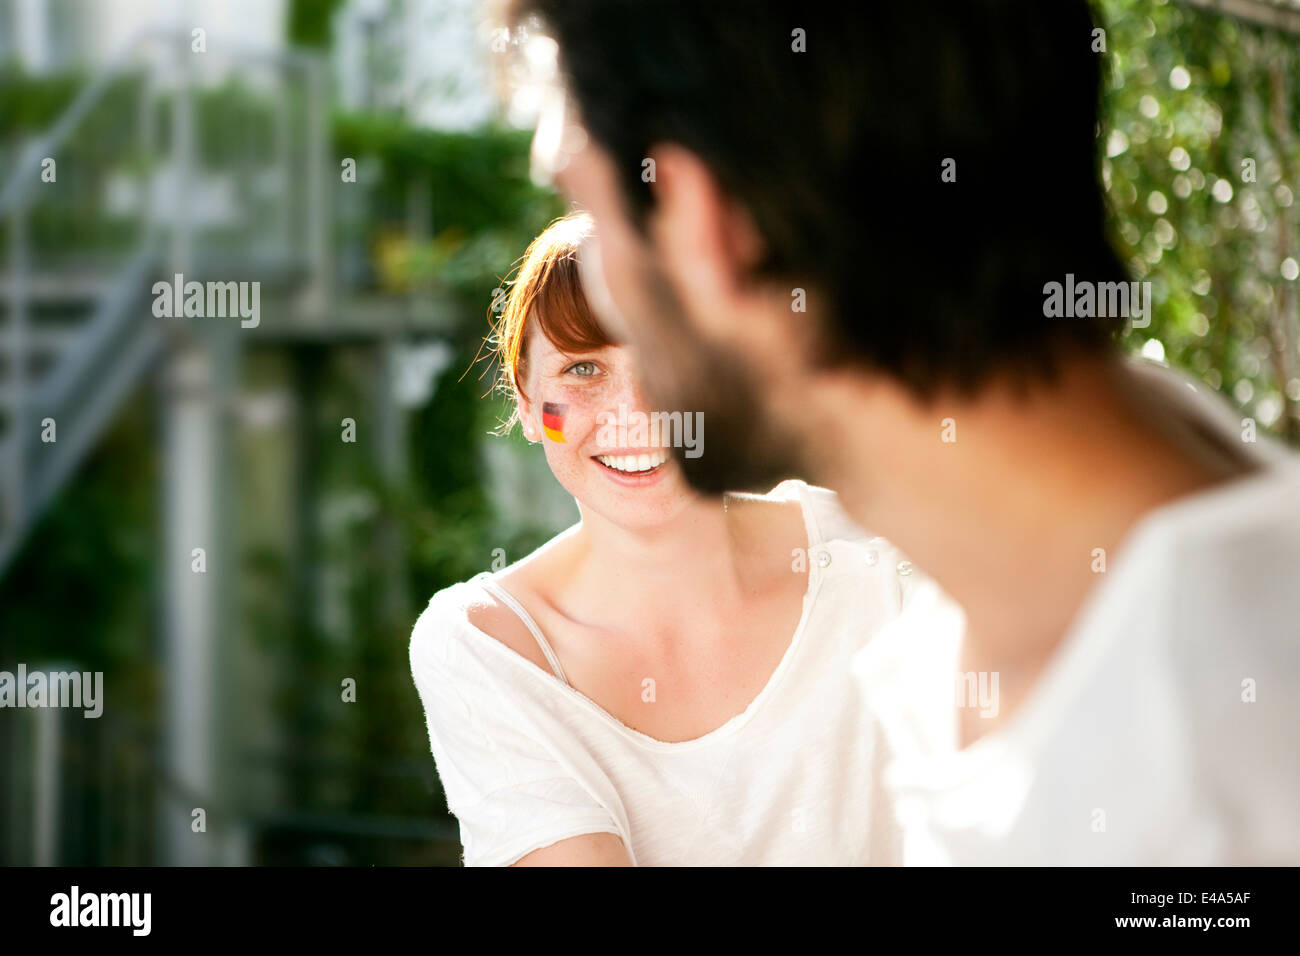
[[843, 232]]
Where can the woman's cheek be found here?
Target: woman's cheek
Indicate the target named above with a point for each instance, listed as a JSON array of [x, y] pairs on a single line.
[[566, 457], [583, 405]]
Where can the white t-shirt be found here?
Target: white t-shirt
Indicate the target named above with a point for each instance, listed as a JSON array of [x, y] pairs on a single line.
[[526, 760], [1165, 729]]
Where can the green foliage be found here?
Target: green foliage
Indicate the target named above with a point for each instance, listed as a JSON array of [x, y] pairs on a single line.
[[1192, 100], [311, 22], [30, 105], [79, 589], [474, 193]]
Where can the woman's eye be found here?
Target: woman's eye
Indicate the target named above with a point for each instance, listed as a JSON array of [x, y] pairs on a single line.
[[584, 369]]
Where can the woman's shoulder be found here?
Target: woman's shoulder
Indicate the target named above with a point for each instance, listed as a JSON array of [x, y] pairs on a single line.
[[825, 515], [460, 617], [818, 509], [828, 521], [445, 621]]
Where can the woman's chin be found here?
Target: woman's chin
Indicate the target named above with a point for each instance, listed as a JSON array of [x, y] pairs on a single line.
[[634, 500]]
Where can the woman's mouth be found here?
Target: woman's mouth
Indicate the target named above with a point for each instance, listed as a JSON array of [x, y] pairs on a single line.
[[629, 468]]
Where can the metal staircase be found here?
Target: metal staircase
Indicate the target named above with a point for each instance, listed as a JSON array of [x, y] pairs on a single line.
[[76, 328]]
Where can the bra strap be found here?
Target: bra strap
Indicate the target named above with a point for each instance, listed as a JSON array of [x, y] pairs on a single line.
[[505, 596]]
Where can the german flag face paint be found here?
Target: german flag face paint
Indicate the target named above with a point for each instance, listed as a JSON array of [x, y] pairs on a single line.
[[553, 420]]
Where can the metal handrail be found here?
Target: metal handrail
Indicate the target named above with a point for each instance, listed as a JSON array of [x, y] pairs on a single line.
[[25, 173], [16, 203], [26, 170]]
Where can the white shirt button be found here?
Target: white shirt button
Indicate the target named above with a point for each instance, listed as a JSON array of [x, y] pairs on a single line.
[[823, 558], [904, 568]]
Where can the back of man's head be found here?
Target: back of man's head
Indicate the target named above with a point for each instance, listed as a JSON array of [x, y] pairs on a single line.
[[929, 166]]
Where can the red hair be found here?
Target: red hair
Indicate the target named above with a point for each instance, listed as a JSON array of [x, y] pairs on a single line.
[[547, 290]]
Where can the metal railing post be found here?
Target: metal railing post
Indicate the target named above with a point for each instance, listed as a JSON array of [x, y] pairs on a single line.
[[182, 247], [19, 263], [317, 199]]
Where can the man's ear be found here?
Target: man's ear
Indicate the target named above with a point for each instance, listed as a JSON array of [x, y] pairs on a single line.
[[709, 246], [708, 243]]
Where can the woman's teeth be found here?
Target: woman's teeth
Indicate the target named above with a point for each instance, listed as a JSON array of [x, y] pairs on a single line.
[[633, 463]]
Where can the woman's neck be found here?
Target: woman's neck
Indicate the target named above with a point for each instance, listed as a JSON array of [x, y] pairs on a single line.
[[698, 560]]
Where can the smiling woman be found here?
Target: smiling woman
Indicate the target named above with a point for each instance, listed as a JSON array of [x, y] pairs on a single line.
[[669, 680]]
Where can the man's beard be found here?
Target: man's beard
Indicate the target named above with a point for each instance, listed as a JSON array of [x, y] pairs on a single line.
[[745, 448]]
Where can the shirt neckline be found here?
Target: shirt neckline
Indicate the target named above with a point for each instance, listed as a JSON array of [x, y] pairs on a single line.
[[734, 723]]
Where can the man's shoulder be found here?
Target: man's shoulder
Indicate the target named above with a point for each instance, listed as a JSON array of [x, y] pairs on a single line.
[[1231, 640], [1241, 536], [1260, 502], [1218, 564]]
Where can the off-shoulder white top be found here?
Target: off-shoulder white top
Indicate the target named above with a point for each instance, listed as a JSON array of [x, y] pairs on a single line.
[[527, 760]]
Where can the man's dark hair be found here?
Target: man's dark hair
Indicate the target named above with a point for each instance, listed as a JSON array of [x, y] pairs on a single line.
[[837, 153]]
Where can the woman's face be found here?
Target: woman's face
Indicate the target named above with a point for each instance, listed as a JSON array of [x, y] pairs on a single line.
[[573, 410]]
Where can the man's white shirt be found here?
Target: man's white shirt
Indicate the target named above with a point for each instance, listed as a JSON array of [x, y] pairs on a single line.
[[1165, 730]]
